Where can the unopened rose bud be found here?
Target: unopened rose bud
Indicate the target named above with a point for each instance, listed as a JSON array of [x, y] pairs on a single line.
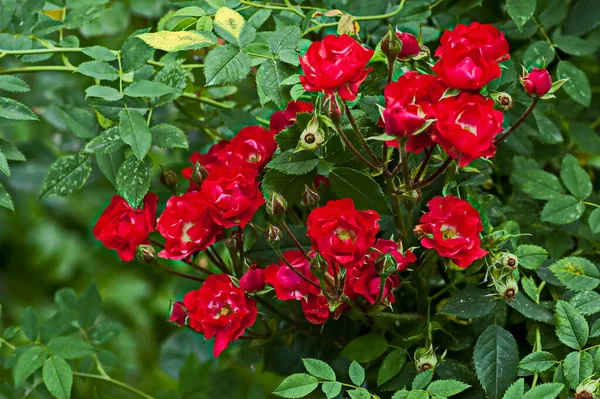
[[587, 389], [169, 179], [253, 280], [146, 254], [235, 243], [425, 359], [537, 82], [504, 100], [276, 205], [310, 197], [312, 136], [410, 45], [386, 264], [178, 314], [508, 288], [199, 173], [391, 45], [318, 266], [509, 260], [273, 235]]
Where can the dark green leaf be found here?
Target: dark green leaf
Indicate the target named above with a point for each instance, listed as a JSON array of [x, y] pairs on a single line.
[[58, 377], [107, 142], [366, 348], [360, 187], [564, 209], [594, 221], [537, 362], [80, 121], [13, 84], [531, 256], [5, 199], [515, 391], [577, 367], [135, 132], [168, 136], [531, 309], [583, 17], [292, 163], [226, 64], [11, 109], [88, 306], [70, 347], [578, 85], [520, 11], [544, 391], [538, 184], [98, 70], [575, 178], [586, 302], [574, 45], [30, 324], [571, 327], [133, 180], [286, 38], [391, 365], [296, 386], [268, 82], [422, 379], [135, 52], [461, 303], [66, 175], [446, 388], [319, 369]]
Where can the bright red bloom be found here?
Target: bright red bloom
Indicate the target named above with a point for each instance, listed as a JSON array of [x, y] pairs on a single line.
[[484, 37], [253, 280], [466, 68], [287, 284], [366, 282], [232, 195], [342, 234], [466, 126], [122, 228], [409, 104], [537, 82], [187, 226], [383, 247], [320, 181], [220, 309], [410, 45], [336, 64], [206, 160], [316, 309], [452, 227], [251, 147], [178, 314], [283, 119]]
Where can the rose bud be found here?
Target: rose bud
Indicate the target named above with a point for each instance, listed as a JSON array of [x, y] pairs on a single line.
[[508, 288], [318, 266], [537, 82], [199, 173], [273, 235], [504, 100], [146, 254], [178, 314], [410, 45], [310, 197], [169, 179], [509, 260], [391, 45], [587, 389], [425, 359], [253, 280], [276, 205], [386, 264]]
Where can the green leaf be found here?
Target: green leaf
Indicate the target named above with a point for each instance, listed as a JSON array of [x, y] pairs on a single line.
[[496, 357], [538, 54], [461, 303], [422, 379], [296, 386], [133, 180], [366, 348], [78, 120], [583, 17], [226, 64], [30, 324], [595, 329], [360, 187], [578, 86], [88, 306], [11, 109], [537, 362], [56, 325], [147, 88], [575, 178], [515, 391], [574, 45], [98, 70], [179, 41], [135, 52], [403, 394], [594, 221], [99, 53], [446, 388], [357, 373], [331, 389], [520, 11], [168, 136], [66, 175], [4, 168], [577, 274], [290, 186], [104, 92], [70, 347], [571, 327], [531, 256], [294, 163], [232, 26], [319, 369], [13, 84], [28, 362], [360, 393], [109, 164], [107, 142], [391, 366], [286, 38], [544, 391], [105, 331], [577, 367], [531, 309], [58, 377], [135, 132], [562, 210], [586, 302], [538, 184], [5, 199], [547, 132], [269, 77]]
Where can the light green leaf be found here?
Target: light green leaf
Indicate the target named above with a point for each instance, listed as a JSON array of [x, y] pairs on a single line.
[[564, 209], [357, 373], [147, 88], [30, 324], [168, 136], [109, 164], [226, 64], [319, 369], [28, 362], [531, 256], [294, 163], [574, 45], [583, 17], [538, 184], [530, 288], [547, 131], [577, 274], [422, 379], [446, 388], [360, 393], [496, 357], [104, 92], [515, 391], [88, 306], [11, 109], [595, 329], [232, 26], [578, 86], [13, 84], [269, 77], [544, 391], [461, 303], [360, 187], [296, 386], [577, 367], [520, 11], [331, 389], [98, 70], [135, 132], [530, 309], [366, 348], [107, 142], [537, 362], [594, 221], [587, 302], [70, 347], [66, 175], [133, 180], [576, 179], [286, 38], [5, 199], [391, 366], [58, 377], [80, 121], [179, 41], [571, 327], [99, 53]]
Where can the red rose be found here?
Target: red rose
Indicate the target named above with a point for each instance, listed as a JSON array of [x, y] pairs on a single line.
[[206, 160], [220, 309], [178, 314], [484, 37], [390, 247], [336, 64], [187, 226], [365, 281], [537, 82], [283, 119], [123, 228], [253, 280], [232, 195], [341, 233], [251, 147], [287, 284], [452, 227], [466, 126], [408, 106], [466, 68], [316, 309], [410, 45]]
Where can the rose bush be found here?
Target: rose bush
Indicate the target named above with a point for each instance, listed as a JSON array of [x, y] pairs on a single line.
[[364, 200]]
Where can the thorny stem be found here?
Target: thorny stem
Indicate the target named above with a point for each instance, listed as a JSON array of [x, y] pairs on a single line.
[[222, 267], [273, 309], [353, 149], [297, 243], [396, 209], [361, 137], [423, 167], [518, 123], [179, 274], [427, 181], [405, 167]]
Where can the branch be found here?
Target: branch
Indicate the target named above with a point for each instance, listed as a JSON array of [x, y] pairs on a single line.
[[518, 123], [114, 382], [434, 175], [353, 149], [363, 142]]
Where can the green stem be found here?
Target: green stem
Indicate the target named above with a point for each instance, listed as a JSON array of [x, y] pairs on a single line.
[[42, 51], [205, 100], [266, 57], [5, 342], [294, 9], [265, 6], [397, 209], [178, 274], [273, 309], [353, 149], [423, 167], [405, 167], [114, 382], [120, 73], [591, 204], [518, 123], [427, 181], [42, 68], [358, 132]]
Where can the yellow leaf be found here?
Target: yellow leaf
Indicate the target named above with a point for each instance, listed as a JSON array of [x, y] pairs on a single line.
[[178, 41], [57, 14], [229, 22]]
